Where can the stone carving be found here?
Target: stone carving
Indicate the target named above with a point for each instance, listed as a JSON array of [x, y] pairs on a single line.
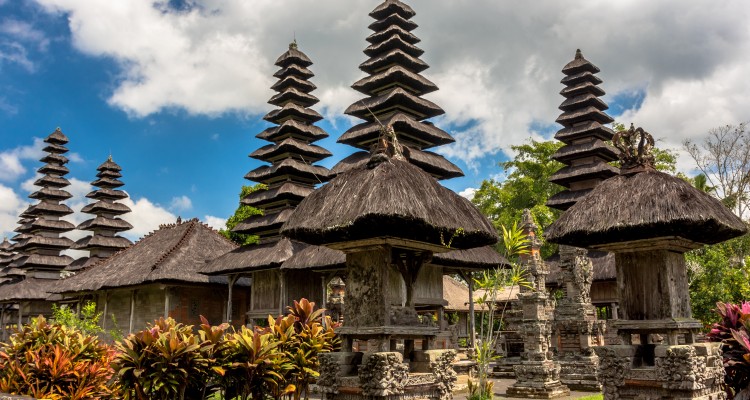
[[383, 374], [330, 369], [612, 370], [583, 276], [404, 316], [442, 370], [635, 149]]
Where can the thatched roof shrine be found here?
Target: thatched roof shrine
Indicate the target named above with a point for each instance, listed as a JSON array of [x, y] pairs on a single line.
[[391, 199], [642, 205], [394, 88], [173, 254], [585, 153]]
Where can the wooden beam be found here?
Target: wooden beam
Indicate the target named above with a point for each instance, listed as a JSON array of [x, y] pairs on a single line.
[[132, 311]]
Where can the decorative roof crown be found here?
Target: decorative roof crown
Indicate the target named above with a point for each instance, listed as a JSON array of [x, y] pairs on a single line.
[[635, 147]]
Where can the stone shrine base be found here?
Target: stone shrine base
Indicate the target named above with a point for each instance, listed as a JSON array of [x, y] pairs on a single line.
[[537, 380], [655, 371], [379, 375], [580, 373]]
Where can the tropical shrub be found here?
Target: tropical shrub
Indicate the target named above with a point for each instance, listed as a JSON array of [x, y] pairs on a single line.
[[166, 361], [733, 331], [303, 334], [52, 361], [252, 366]]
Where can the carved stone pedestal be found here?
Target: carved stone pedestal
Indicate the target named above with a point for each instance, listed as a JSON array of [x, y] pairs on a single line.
[[693, 371], [576, 326], [538, 380], [380, 375]]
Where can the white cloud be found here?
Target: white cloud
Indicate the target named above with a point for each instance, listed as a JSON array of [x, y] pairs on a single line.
[[181, 203], [11, 206], [215, 222], [497, 63], [11, 161], [215, 136], [16, 40], [468, 193], [145, 217]]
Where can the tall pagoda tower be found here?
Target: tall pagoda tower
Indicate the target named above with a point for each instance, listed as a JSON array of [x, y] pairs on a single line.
[[586, 156], [6, 255], [291, 175], [289, 178], [106, 223], [585, 153], [39, 241], [394, 88]]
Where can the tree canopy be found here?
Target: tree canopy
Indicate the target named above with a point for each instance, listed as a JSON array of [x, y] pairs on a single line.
[[242, 213]]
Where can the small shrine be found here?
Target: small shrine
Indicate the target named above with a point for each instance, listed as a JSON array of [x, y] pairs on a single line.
[[649, 219], [538, 375], [389, 217]]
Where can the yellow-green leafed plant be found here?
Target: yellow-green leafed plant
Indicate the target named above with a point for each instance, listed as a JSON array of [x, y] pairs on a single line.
[[252, 366], [54, 362], [165, 361]]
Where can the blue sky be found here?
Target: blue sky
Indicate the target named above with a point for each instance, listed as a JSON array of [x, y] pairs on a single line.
[[175, 92]]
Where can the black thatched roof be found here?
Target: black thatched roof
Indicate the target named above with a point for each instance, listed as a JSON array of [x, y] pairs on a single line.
[[602, 262], [253, 257], [645, 205], [392, 199], [432, 163], [174, 253], [317, 258], [485, 257], [27, 289]]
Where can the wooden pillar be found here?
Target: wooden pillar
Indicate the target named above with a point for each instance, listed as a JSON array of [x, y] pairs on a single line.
[[106, 316], [468, 277], [323, 300], [2, 322], [20, 315], [232, 281], [166, 302], [282, 291], [132, 311]]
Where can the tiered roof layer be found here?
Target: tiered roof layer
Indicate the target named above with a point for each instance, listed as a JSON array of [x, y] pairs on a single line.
[[106, 223], [39, 241], [395, 88], [292, 153], [585, 154]]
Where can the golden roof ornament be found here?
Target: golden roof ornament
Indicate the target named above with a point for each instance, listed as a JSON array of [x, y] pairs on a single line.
[[635, 147]]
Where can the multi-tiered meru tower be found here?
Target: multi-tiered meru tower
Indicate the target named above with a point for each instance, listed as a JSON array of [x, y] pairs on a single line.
[[41, 242], [289, 178], [291, 175], [394, 88], [106, 223], [586, 156]]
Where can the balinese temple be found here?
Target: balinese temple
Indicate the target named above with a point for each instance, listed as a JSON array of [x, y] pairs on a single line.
[[585, 153], [106, 224], [585, 156], [394, 90], [6, 256], [289, 178], [39, 243]]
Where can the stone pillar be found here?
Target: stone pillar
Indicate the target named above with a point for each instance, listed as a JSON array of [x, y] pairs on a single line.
[[537, 376], [576, 324]]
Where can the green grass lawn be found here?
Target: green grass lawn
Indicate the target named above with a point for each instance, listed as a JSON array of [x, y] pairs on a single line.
[[592, 397]]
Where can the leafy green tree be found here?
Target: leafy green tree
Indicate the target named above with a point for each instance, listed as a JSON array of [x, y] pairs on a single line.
[[242, 213], [717, 273], [526, 186]]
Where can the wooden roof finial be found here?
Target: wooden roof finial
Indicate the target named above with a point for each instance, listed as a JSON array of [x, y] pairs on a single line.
[[635, 147]]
